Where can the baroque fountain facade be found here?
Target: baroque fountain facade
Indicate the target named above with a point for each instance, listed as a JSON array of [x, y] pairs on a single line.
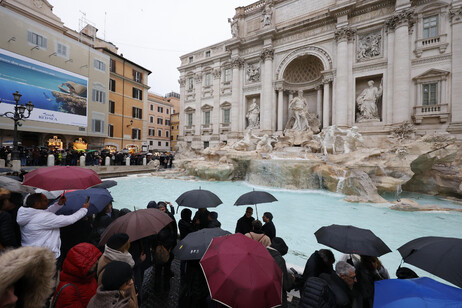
[[358, 97]]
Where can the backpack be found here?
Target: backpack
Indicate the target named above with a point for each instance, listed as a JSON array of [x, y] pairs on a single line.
[[317, 294], [161, 255]]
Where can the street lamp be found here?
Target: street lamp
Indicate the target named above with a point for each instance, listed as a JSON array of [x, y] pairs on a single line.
[[17, 116]]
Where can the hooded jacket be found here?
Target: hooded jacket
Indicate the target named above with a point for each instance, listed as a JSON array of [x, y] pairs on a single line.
[[32, 271], [41, 227], [77, 265]]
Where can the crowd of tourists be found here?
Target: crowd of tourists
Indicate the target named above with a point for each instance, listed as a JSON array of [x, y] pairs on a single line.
[[39, 248], [38, 156]]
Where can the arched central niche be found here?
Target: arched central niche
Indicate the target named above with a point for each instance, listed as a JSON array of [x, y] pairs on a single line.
[[303, 69]]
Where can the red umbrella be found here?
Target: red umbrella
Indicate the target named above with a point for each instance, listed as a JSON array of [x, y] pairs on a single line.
[[240, 272], [61, 178], [137, 224]]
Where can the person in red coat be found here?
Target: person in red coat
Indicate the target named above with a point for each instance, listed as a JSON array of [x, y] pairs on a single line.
[[77, 283]]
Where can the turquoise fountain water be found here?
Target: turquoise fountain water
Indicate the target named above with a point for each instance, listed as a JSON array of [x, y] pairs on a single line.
[[298, 214]]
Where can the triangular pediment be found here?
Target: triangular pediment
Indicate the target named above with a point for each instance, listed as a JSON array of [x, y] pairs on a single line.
[[432, 73], [189, 110]]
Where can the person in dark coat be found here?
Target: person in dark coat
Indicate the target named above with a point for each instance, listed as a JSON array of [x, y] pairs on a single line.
[[8, 234], [277, 250], [321, 261], [367, 273], [193, 288], [213, 220], [185, 224], [244, 224], [201, 219], [268, 228], [341, 284]]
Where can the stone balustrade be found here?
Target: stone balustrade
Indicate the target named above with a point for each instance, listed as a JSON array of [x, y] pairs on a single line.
[[428, 111], [439, 41]]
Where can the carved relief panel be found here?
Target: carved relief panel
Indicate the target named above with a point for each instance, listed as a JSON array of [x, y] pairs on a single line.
[[252, 72], [369, 46]]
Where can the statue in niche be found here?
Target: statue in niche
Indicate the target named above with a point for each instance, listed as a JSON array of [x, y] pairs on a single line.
[[367, 102], [299, 108], [369, 46], [253, 115], [244, 143], [234, 26], [253, 73], [267, 15]]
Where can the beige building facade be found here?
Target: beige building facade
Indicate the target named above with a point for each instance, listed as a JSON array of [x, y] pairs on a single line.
[[159, 113], [372, 64], [58, 70]]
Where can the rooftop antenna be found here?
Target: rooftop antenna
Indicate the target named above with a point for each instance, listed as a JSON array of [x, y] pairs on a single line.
[[104, 33]]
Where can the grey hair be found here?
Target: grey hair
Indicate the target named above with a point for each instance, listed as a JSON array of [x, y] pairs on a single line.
[[343, 268]]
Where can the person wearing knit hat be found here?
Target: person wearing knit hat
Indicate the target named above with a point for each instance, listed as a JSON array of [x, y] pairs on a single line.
[[115, 291], [116, 249]]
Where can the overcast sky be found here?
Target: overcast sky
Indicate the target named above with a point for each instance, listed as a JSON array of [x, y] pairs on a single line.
[[153, 33]]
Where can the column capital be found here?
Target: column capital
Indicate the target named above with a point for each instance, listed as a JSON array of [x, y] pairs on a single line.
[[182, 81], [399, 19], [267, 53], [216, 73], [327, 79], [198, 77], [318, 87], [237, 62], [346, 33], [455, 15]]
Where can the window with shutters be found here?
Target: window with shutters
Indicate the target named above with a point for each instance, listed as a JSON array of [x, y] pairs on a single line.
[[112, 65], [137, 76], [167, 133], [37, 39], [98, 96], [137, 113], [99, 65], [137, 93], [167, 122], [110, 130], [62, 50], [111, 107], [160, 109], [160, 121], [159, 132], [112, 85], [136, 133], [151, 119], [97, 126]]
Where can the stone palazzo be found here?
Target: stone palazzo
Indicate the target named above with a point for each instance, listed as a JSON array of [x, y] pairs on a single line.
[[333, 51]]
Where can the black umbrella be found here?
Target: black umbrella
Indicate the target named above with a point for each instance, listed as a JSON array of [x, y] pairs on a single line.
[[352, 240], [106, 184], [255, 197], [440, 256], [198, 198], [194, 245]]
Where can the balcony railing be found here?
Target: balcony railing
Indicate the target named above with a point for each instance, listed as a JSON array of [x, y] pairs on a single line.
[[439, 41], [189, 130], [431, 111], [225, 127], [206, 128]]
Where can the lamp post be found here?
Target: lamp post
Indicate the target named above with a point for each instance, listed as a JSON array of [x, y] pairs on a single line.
[[17, 116]]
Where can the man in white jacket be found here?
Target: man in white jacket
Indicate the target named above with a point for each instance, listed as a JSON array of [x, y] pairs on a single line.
[[40, 225]]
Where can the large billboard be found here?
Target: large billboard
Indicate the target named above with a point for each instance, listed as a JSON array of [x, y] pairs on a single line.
[[59, 96]]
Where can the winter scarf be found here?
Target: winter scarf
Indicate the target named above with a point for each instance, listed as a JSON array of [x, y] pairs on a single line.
[[113, 254]]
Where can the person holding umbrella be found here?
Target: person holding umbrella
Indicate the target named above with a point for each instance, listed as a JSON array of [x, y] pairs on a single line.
[[268, 228], [40, 225]]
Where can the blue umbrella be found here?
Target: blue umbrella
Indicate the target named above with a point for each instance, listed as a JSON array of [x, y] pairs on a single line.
[[420, 292], [99, 198]]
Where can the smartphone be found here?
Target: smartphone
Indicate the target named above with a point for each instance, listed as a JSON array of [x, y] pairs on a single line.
[[88, 199]]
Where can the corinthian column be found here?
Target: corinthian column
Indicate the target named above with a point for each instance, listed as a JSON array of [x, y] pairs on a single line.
[[235, 98], [340, 108], [456, 23], [326, 103], [267, 108], [401, 66], [182, 82], [280, 126]]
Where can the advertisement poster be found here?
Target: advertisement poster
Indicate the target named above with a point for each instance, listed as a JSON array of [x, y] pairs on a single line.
[[59, 96]]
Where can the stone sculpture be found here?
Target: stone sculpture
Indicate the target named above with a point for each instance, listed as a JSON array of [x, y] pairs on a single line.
[[244, 143], [351, 139], [234, 26], [264, 145], [299, 107], [267, 15], [253, 73], [327, 138], [367, 102], [369, 46], [253, 115]]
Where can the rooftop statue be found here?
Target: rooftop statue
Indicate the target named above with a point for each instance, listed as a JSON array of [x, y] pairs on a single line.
[[234, 26]]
